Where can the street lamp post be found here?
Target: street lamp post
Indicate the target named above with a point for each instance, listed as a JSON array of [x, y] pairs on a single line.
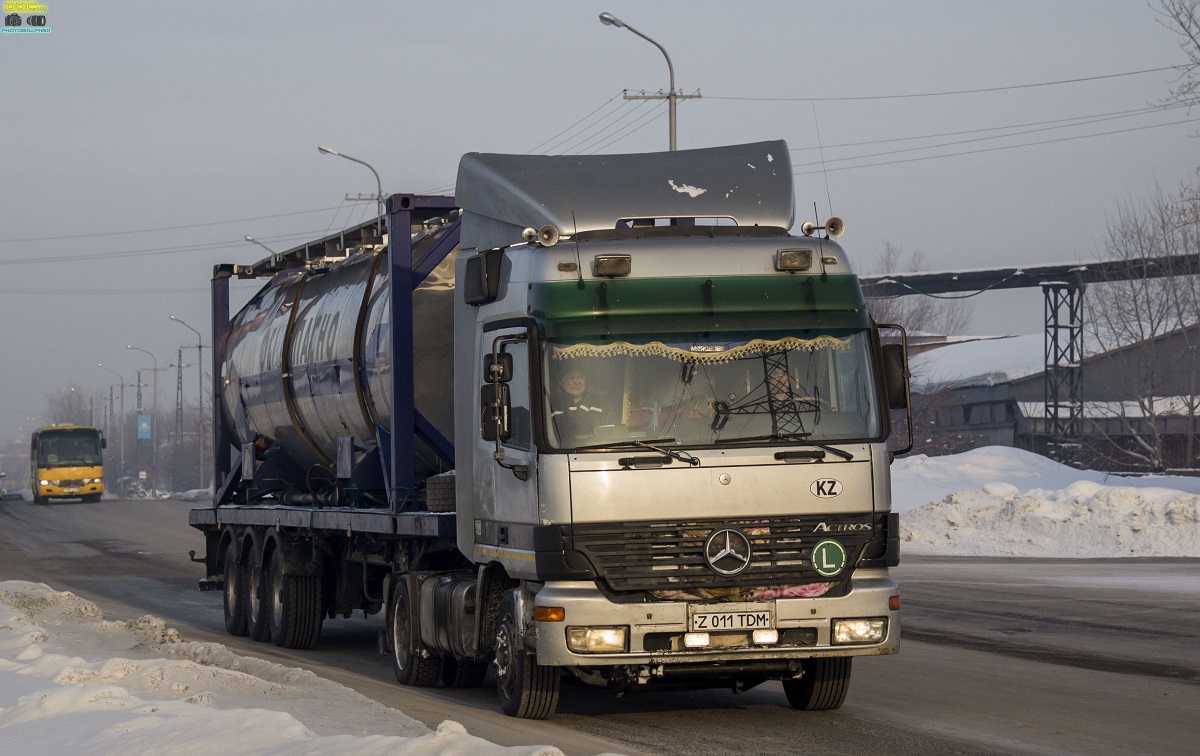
[[378, 183], [252, 240], [121, 423], [153, 421], [200, 384], [609, 19]]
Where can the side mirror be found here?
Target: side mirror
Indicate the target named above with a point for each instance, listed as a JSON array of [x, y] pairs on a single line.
[[103, 442], [895, 372]]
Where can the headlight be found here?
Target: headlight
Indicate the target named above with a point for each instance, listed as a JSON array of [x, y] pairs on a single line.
[[43, 482], [596, 640], [871, 630]]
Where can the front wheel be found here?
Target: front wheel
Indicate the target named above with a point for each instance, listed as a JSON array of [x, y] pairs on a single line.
[[823, 686], [527, 690]]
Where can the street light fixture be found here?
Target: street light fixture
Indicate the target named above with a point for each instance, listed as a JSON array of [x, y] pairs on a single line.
[[153, 421], [200, 382], [378, 183], [609, 19], [252, 240]]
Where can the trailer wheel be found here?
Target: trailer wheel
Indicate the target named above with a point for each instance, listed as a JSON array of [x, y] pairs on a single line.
[[463, 673], [410, 668], [823, 686], [235, 592], [257, 626], [294, 611], [527, 690]]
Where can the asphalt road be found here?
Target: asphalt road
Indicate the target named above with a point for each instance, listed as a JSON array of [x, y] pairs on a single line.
[[997, 655]]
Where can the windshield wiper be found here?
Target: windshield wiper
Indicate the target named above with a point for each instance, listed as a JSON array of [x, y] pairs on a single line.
[[682, 456], [790, 437]]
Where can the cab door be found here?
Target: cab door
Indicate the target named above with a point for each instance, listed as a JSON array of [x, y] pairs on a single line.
[[505, 460]]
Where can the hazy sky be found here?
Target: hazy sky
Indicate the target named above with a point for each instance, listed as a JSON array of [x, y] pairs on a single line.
[[204, 118]]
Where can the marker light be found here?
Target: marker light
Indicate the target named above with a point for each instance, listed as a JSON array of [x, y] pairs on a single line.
[[549, 614]]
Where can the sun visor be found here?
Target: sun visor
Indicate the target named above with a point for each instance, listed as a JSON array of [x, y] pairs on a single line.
[[502, 195]]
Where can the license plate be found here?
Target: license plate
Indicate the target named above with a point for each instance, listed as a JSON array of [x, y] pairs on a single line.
[[706, 619], [70, 490]]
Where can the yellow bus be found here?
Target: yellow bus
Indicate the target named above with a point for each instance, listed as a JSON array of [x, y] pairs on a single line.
[[66, 461]]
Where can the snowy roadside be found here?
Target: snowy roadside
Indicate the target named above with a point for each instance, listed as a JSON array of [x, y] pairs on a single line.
[[73, 682], [997, 501]]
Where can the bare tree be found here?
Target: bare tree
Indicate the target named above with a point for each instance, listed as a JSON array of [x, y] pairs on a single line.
[[70, 405], [918, 313], [1181, 16], [1145, 331]]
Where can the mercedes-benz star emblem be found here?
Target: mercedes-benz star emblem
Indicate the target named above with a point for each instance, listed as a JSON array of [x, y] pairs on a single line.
[[727, 551]]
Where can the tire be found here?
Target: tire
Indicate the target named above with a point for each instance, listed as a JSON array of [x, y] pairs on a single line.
[[411, 669], [527, 690], [293, 605], [823, 686], [463, 673], [235, 592], [91, 498], [257, 626]]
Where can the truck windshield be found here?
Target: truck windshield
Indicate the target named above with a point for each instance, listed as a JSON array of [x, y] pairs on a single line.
[[718, 388], [69, 448]]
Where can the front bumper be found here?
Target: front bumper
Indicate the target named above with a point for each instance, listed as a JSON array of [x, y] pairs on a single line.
[[652, 626], [61, 491]]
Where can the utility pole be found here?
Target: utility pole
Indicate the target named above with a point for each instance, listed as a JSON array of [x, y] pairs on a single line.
[[179, 397]]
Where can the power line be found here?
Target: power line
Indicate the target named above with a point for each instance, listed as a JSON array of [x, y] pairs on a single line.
[[596, 128], [998, 149], [586, 141], [1073, 119], [979, 139], [631, 129], [151, 251], [165, 228], [948, 93], [564, 131]]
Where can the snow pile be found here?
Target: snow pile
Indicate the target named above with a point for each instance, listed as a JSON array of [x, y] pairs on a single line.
[[998, 501], [72, 682]]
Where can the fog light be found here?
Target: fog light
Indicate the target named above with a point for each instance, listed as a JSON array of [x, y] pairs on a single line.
[[695, 640], [859, 630], [596, 640], [765, 637]]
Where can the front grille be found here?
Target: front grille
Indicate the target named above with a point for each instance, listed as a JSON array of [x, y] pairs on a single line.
[[670, 555]]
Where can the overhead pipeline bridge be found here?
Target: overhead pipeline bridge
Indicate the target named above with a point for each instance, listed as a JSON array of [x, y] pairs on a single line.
[[1062, 286]]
